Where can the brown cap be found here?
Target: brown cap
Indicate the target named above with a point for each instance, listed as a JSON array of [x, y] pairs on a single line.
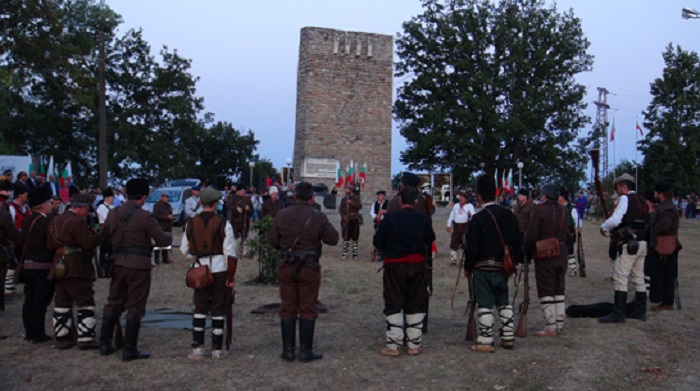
[[209, 196]]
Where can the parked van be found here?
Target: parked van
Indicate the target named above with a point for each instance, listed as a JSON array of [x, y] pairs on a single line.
[[178, 196]]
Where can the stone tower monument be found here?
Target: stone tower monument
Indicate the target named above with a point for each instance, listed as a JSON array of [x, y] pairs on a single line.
[[344, 102]]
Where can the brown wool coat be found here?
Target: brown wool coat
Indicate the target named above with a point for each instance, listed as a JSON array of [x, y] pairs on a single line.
[[161, 211], [546, 222], [289, 223], [71, 230], [34, 241], [142, 229], [270, 208], [350, 206]]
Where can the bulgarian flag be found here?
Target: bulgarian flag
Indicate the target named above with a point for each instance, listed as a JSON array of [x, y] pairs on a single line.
[[31, 164], [639, 128], [612, 132], [511, 186], [348, 175], [67, 172], [503, 182], [51, 170], [42, 170], [495, 179], [363, 175], [338, 176]]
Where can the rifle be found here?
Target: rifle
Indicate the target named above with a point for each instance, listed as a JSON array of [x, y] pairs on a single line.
[[232, 263], [521, 331], [471, 324], [581, 256], [677, 297]]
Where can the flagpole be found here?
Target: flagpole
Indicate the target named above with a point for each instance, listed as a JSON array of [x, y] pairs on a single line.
[[636, 161], [614, 152]]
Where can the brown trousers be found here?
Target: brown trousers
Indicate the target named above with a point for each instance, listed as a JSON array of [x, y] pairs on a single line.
[[551, 274], [299, 291], [73, 290], [458, 232], [212, 298], [128, 290]]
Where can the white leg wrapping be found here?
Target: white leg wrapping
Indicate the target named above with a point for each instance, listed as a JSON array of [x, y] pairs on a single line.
[[507, 329], [86, 324], [485, 322], [199, 316], [612, 268], [414, 329], [62, 322], [560, 311], [10, 282], [573, 265], [394, 330], [217, 331], [453, 256], [549, 314]]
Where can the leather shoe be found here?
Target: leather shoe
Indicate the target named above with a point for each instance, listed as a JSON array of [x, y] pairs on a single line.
[[483, 348], [662, 307], [389, 352]]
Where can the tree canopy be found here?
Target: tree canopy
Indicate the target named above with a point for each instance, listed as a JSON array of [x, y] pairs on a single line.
[[157, 125], [671, 145], [493, 83]]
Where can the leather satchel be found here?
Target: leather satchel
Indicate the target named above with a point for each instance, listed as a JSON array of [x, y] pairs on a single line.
[[666, 244], [508, 264], [199, 277], [549, 248]]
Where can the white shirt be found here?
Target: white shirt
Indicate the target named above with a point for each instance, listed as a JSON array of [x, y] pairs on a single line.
[[103, 211], [616, 218], [574, 215], [192, 206], [371, 210], [461, 214], [217, 263]]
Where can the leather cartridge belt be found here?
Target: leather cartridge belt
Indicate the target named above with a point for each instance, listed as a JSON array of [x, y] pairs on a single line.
[[134, 250], [488, 264], [71, 250], [304, 256], [36, 265]]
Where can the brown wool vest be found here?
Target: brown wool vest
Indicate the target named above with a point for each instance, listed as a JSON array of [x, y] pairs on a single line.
[[206, 235]]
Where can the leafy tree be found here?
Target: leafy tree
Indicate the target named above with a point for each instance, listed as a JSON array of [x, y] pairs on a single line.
[[493, 83], [225, 150], [671, 146]]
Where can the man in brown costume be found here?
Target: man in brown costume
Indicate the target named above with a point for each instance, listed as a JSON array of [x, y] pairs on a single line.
[[663, 268], [273, 204], [299, 231], [548, 220], [163, 212], [209, 241], [241, 209], [74, 243], [349, 209], [131, 231], [37, 260]]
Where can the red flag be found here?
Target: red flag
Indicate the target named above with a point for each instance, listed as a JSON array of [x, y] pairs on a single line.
[[639, 128], [612, 132]]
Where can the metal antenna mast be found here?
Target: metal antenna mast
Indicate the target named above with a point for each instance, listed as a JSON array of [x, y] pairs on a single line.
[[601, 124]]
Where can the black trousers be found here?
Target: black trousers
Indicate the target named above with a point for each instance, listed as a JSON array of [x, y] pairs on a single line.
[[663, 273], [38, 294], [405, 288]]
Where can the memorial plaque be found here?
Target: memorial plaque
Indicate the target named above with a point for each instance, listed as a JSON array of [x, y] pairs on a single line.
[[320, 168]]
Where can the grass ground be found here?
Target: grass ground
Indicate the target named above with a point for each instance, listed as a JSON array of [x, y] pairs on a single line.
[[659, 354]]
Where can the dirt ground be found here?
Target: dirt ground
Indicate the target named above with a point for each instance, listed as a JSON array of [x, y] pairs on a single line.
[[659, 354]]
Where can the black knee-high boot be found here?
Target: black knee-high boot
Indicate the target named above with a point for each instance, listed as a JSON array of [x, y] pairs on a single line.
[[306, 340], [289, 331]]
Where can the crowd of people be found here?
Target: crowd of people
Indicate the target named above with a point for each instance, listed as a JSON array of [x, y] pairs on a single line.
[[54, 241]]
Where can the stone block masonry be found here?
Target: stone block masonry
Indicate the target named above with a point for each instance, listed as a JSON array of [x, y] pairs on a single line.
[[344, 106]]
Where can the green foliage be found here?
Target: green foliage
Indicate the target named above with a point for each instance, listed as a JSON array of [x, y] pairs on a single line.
[[267, 256], [493, 83], [156, 124], [671, 146]]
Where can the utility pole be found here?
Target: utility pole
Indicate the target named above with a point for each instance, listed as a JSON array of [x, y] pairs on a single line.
[[102, 116], [601, 125]]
